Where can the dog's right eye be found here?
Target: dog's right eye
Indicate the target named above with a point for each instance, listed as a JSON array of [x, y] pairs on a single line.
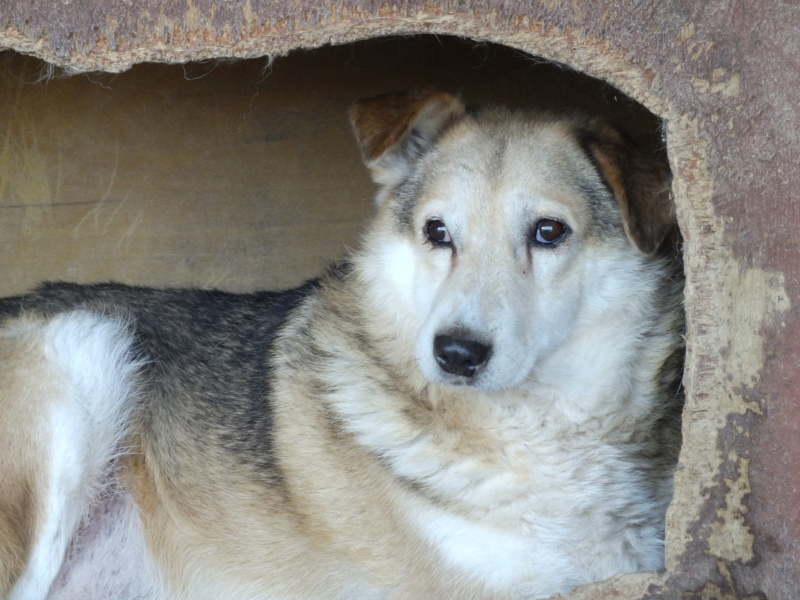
[[549, 232], [436, 231]]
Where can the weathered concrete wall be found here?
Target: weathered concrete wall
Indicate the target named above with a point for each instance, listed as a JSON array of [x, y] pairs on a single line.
[[724, 75]]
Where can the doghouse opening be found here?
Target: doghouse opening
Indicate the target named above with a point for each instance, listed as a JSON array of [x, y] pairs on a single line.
[[236, 175]]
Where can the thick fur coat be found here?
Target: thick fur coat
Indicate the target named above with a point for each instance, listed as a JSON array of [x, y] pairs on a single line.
[[482, 402]]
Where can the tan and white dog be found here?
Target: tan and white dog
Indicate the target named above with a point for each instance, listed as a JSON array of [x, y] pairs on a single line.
[[482, 402]]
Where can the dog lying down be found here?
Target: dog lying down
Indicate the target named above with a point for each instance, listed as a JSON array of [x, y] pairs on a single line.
[[483, 401]]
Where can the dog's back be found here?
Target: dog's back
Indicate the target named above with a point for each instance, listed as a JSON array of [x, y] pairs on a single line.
[[104, 366], [483, 402]]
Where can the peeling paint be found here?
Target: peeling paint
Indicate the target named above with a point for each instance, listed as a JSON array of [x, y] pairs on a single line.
[[756, 297], [687, 31], [722, 83], [726, 589], [728, 306], [731, 538]]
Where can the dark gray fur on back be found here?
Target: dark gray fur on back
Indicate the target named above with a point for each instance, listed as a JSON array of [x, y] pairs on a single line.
[[206, 356]]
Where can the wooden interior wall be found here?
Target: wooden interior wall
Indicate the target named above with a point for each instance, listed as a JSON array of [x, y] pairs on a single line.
[[237, 175]]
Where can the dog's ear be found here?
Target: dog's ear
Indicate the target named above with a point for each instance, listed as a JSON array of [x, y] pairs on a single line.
[[394, 130], [639, 182]]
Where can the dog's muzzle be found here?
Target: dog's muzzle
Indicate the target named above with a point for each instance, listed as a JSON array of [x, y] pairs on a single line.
[[459, 356]]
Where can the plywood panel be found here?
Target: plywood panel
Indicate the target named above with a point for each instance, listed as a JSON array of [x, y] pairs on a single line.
[[237, 175], [151, 177]]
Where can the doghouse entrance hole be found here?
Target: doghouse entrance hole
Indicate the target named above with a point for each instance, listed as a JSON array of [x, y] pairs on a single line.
[[240, 175], [237, 175]]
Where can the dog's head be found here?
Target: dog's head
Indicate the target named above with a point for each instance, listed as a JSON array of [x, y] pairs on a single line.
[[503, 234]]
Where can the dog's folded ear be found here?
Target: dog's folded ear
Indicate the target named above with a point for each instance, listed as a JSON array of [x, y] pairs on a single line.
[[394, 130], [639, 182]]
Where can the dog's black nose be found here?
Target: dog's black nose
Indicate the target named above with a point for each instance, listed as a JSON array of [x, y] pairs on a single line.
[[459, 356]]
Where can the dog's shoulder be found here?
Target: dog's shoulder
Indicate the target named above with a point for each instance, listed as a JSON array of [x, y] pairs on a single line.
[[204, 353]]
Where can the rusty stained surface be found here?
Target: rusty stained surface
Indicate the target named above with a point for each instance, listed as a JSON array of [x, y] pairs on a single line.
[[725, 74]]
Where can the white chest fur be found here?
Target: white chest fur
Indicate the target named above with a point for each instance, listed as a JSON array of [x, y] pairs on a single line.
[[554, 510]]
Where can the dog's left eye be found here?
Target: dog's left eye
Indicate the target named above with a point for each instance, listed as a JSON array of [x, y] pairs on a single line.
[[549, 232], [436, 231]]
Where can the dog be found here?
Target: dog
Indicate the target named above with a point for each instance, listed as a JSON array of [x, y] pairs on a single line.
[[481, 402]]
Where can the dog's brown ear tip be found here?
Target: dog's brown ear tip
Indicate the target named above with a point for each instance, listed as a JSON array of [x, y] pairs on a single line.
[[381, 122], [639, 182]]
